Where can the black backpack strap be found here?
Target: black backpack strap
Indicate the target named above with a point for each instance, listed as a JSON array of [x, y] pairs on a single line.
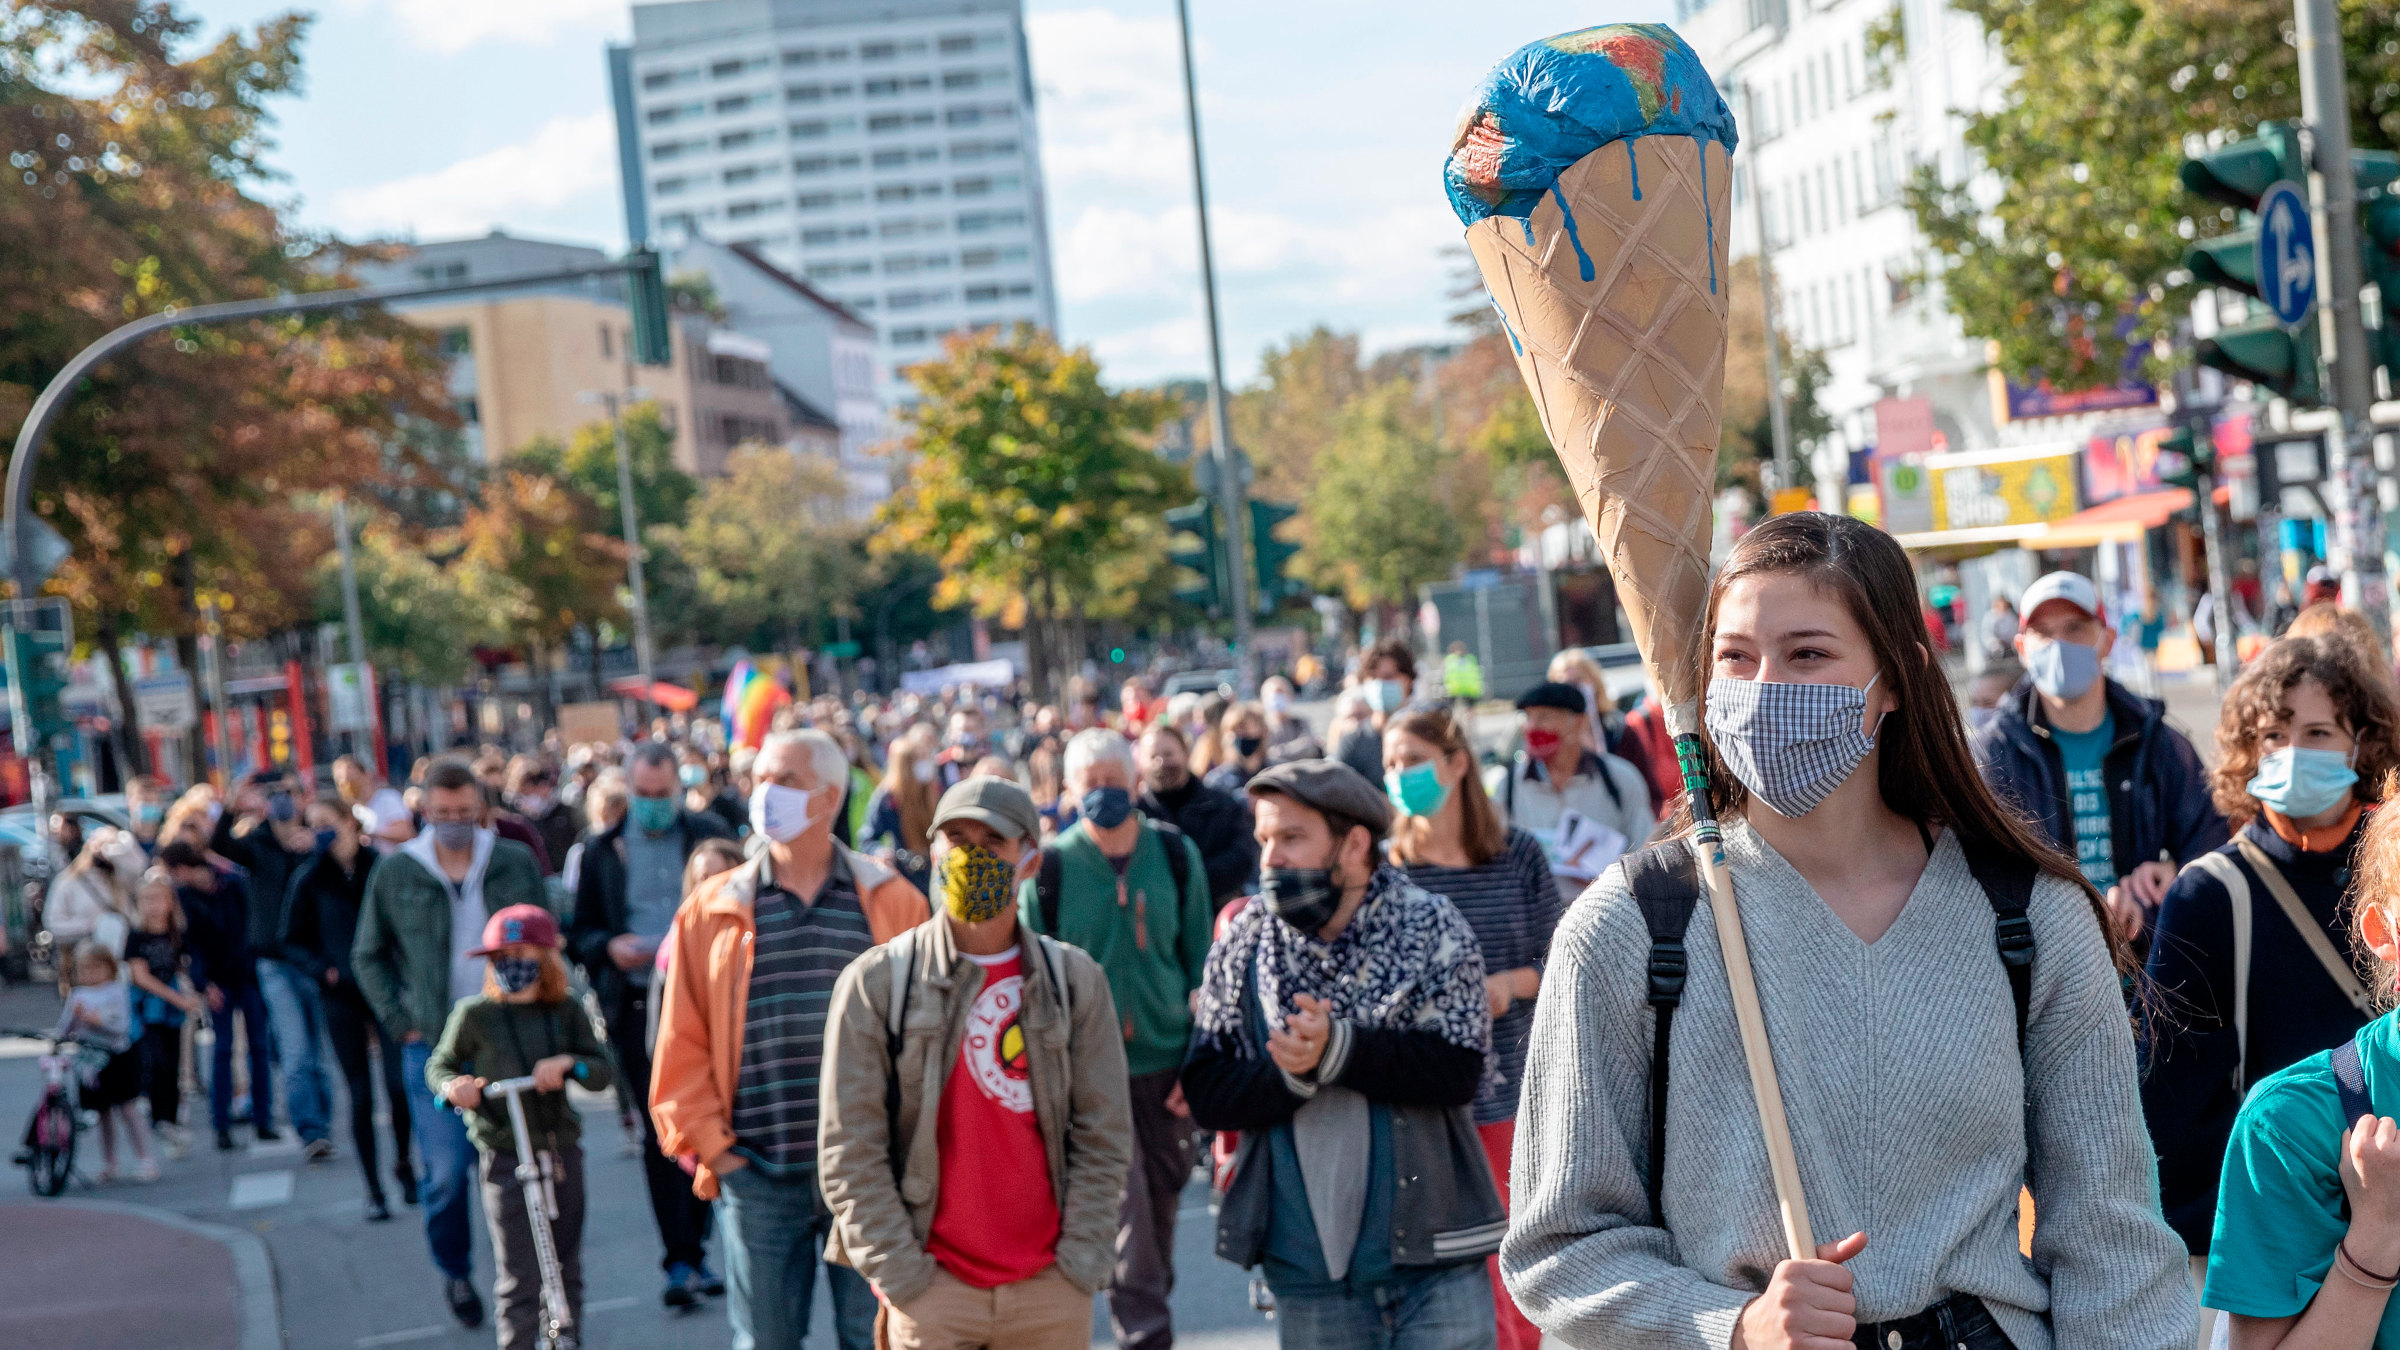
[[2350, 1080], [2007, 882], [1665, 881], [1179, 863], [1045, 890]]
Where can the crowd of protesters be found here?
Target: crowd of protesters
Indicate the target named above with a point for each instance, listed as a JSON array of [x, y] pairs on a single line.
[[953, 996]]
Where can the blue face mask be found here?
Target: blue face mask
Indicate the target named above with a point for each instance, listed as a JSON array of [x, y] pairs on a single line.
[[1384, 696], [693, 775], [325, 838], [2063, 670], [1417, 789], [653, 815], [1107, 807], [2301, 783]]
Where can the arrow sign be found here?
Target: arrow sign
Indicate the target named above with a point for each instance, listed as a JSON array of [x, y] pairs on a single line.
[[2287, 253]]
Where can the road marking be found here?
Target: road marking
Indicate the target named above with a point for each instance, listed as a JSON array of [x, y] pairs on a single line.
[[610, 1305], [401, 1337], [258, 1190]]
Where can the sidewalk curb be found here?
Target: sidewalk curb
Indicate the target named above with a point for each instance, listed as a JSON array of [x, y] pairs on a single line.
[[256, 1300]]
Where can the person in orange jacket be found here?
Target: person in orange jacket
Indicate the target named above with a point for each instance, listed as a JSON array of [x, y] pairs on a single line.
[[733, 1084]]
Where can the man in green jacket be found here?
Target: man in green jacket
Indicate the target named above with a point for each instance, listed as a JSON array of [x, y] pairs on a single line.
[[1112, 888], [425, 907]]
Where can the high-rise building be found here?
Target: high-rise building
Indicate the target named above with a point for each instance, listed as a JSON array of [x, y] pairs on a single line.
[[886, 154]]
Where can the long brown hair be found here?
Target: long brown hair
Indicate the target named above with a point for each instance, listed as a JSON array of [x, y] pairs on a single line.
[[551, 987], [2361, 697], [1480, 834], [914, 800], [1926, 772]]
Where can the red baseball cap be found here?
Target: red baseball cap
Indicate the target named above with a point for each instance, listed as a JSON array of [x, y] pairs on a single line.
[[530, 925]]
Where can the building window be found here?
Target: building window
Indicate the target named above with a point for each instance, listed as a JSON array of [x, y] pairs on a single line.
[[893, 86], [677, 220], [976, 222], [878, 51], [908, 337], [737, 140], [469, 412], [668, 187], [739, 372], [824, 163], [815, 93], [675, 149], [746, 210], [734, 103], [607, 343], [659, 117], [969, 152], [799, 57], [455, 342], [668, 79], [889, 122], [992, 257], [727, 69], [952, 44], [961, 79], [916, 299], [979, 187], [745, 174]]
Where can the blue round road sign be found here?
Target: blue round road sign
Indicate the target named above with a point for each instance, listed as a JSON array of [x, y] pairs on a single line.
[[2287, 252]]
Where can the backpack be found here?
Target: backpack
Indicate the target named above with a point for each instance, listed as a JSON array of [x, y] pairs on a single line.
[[1045, 881], [1665, 881]]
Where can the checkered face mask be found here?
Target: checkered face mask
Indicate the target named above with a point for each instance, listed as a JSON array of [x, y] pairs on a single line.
[[1790, 744]]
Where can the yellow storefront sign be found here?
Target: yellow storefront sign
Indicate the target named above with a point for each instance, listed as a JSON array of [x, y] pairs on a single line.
[[2001, 492]]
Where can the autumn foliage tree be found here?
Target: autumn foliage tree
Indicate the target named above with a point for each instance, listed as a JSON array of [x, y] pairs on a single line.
[[186, 463], [1025, 479], [546, 567]]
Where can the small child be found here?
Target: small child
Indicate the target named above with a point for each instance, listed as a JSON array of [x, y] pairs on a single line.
[[154, 956], [523, 1024], [99, 1018]]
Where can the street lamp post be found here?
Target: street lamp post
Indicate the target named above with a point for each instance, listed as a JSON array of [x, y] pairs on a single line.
[[1229, 483], [633, 530]]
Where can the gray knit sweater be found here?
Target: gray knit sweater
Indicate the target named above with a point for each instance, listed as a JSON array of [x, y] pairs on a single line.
[[1914, 1121]]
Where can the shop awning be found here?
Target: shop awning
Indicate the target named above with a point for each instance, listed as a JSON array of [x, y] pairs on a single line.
[[2120, 521], [673, 697]]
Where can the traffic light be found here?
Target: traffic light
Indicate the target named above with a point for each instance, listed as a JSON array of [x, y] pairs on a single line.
[[1269, 555], [2263, 350], [646, 296], [41, 657], [2182, 458], [1206, 560]]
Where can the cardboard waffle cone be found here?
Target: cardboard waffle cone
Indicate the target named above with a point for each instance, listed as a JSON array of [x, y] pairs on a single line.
[[1614, 291]]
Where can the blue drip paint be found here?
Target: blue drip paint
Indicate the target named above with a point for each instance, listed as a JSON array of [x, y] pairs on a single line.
[[1708, 212], [1636, 166], [1505, 328], [1527, 222], [1567, 214]]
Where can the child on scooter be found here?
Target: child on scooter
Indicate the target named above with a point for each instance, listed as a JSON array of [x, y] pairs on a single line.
[[522, 1025], [99, 1018]]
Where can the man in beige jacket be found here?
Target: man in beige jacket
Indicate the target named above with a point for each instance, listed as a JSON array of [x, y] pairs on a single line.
[[974, 1132]]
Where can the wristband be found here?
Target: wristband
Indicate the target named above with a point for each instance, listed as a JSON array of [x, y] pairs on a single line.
[[2358, 1274]]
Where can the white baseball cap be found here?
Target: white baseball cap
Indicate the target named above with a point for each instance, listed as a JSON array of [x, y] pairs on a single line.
[[2072, 587]]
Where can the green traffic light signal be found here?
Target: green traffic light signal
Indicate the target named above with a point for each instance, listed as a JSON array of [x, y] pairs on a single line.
[[2180, 460], [646, 297], [1270, 555], [1206, 560], [2283, 360], [2238, 174]]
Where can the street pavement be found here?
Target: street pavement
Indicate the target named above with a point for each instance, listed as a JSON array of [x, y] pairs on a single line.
[[99, 1279]]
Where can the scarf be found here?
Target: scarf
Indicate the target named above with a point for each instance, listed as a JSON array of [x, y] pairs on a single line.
[[1406, 962]]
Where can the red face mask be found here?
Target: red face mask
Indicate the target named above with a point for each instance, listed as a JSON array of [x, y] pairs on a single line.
[[1541, 743]]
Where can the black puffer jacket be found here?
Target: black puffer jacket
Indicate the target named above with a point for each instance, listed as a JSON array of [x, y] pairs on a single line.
[[1219, 824]]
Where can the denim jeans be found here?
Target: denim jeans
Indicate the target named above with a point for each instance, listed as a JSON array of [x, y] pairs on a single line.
[[1956, 1323], [774, 1234], [447, 1186], [252, 1008], [298, 1020], [1419, 1308]]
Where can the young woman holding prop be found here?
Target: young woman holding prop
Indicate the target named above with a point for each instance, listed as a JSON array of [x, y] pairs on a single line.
[[1943, 1000]]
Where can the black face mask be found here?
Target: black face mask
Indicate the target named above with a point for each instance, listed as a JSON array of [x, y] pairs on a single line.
[[1246, 746], [1304, 897]]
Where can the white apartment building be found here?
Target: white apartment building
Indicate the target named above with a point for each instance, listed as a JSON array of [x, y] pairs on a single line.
[[886, 154], [1831, 142]]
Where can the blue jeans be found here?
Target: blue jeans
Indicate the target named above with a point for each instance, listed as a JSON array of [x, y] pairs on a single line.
[[298, 1017], [447, 1156], [1419, 1308], [774, 1232], [252, 1008]]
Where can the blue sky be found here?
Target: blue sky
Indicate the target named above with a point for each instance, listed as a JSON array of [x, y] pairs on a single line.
[[1325, 123]]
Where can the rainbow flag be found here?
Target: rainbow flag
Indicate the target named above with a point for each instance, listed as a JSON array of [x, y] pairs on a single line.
[[751, 698], [730, 709]]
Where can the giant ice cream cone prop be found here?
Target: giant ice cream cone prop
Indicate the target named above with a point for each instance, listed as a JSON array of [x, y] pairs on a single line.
[[1592, 170]]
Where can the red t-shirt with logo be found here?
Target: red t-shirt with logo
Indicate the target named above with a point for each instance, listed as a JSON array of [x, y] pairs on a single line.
[[996, 1222]]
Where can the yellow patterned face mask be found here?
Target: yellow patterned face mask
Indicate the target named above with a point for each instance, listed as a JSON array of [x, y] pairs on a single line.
[[976, 883]]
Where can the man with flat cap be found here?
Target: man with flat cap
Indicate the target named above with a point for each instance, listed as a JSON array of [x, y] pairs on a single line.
[[1342, 1027], [1585, 805], [975, 1130]]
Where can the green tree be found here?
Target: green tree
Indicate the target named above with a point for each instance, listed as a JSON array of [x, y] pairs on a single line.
[[2066, 251], [541, 564], [662, 491], [1292, 413], [1023, 475], [772, 551], [421, 619], [1389, 510]]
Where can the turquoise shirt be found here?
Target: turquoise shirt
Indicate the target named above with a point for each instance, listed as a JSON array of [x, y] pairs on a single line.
[[2279, 1208], [2082, 753]]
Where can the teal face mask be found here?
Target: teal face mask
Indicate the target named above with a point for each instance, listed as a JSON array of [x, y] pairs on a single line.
[[652, 815], [1417, 789]]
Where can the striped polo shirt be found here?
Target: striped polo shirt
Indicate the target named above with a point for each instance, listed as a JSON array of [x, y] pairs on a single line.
[[1513, 905], [797, 954]]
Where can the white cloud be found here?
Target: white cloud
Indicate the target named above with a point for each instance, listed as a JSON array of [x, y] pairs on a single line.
[[452, 26], [1111, 95], [570, 158]]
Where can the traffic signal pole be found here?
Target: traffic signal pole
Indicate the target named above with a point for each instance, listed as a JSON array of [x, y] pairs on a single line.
[[1229, 483], [2325, 106]]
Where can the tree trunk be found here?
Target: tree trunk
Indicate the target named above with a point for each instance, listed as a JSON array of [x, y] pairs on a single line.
[[132, 752], [1037, 637], [545, 709], [187, 656], [599, 680]]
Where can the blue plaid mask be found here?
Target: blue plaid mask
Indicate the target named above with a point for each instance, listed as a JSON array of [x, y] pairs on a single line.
[[1790, 744]]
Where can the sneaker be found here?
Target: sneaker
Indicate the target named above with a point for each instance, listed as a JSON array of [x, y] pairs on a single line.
[[267, 1134], [317, 1150], [179, 1142], [683, 1287], [464, 1305], [146, 1170], [225, 1143], [711, 1283]]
